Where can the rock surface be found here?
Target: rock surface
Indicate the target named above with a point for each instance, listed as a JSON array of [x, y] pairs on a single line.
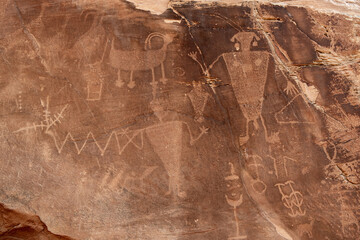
[[179, 120]]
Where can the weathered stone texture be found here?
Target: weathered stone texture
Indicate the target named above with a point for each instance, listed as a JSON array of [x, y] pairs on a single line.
[[204, 121]]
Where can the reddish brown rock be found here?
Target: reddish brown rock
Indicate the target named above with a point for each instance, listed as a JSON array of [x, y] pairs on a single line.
[[16, 225], [179, 120]]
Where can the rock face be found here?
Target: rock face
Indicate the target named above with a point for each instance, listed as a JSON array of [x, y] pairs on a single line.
[[204, 121]]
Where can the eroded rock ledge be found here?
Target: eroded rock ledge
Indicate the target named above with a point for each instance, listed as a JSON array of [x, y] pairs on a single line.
[[15, 225], [179, 120]]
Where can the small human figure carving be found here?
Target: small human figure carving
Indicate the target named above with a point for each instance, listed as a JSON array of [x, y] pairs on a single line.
[[198, 97], [234, 198], [95, 79]]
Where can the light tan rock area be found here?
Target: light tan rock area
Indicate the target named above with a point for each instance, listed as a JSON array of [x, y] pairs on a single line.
[[179, 120]]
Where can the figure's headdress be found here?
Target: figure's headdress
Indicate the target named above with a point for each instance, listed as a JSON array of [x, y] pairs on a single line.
[[233, 176], [245, 39]]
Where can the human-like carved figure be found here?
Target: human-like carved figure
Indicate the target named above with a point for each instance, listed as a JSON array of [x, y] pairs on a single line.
[[137, 60], [95, 79], [234, 198], [166, 139], [198, 97], [248, 74]]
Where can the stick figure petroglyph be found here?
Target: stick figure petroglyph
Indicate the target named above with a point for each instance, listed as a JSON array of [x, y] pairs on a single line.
[[291, 199]]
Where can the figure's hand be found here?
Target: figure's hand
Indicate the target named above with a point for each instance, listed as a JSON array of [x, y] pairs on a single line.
[[193, 55], [124, 131], [204, 130], [290, 88]]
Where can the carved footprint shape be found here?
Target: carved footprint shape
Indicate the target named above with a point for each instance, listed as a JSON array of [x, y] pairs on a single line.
[[131, 84], [119, 83]]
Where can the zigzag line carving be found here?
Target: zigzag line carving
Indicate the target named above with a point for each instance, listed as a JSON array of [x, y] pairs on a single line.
[[90, 138]]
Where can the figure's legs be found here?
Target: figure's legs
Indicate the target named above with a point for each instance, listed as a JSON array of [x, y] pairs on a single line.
[[265, 129], [236, 222], [174, 187], [153, 83], [243, 140], [171, 188], [119, 83], [256, 124], [163, 78], [131, 84]]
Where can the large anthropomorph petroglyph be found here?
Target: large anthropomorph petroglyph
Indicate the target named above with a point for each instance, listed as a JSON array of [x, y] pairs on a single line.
[[248, 73]]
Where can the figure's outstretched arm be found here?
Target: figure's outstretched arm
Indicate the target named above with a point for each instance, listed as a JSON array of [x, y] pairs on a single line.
[[215, 61], [203, 130], [193, 55]]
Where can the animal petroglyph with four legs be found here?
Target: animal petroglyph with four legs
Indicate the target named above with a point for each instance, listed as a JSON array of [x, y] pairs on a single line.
[[306, 228], [141, 60]]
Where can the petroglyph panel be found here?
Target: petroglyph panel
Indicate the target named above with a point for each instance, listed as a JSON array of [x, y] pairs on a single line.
[[189, 121]]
